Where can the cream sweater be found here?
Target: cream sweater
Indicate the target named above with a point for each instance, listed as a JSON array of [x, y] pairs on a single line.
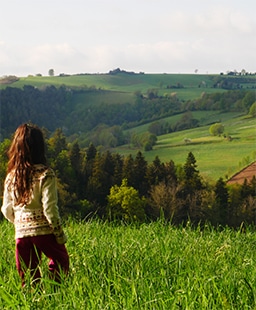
[[41, 215]]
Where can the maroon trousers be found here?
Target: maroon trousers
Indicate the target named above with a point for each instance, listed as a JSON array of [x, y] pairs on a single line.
[[29, 253]]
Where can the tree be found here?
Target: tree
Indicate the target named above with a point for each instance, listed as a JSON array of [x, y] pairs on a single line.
[[140, 172], [155, 128], [163, 198], [221, 200], [4, 146], [252, 111], [62, 166], [156, 172], [190, 167], [57, 143], [151, 139], [192, 180], [75, 157], [216, 129], [128, 171], [51, 72], [101, 179], [152, 94], [125, 203], [117, 132], [171, 176], [118, 168], [186, 121], [91, 152], [191, 190], [87, 166], [148, 140], [248, 100]]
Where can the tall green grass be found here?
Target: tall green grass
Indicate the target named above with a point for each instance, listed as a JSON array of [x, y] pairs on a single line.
[[152, 266]]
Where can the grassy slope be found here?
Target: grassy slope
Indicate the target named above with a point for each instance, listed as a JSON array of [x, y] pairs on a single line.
[[216, 156], [128, 83]]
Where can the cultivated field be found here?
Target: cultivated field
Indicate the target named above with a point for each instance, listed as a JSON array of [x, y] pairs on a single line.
[[152, 266]]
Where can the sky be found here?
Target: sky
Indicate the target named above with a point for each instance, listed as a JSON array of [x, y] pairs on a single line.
[[151, 36]]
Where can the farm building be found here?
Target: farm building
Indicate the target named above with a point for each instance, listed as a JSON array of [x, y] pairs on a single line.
[[246, 173]]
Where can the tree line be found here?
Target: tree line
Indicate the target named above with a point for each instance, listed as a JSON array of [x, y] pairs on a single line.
[[114, 187]]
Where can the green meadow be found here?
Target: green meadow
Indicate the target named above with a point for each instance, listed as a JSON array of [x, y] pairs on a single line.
[[126, 83], [151, 266], [216, 156]]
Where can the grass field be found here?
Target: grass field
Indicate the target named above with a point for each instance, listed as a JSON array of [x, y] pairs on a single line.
[[152, 266], [216, 156], [129, 83]]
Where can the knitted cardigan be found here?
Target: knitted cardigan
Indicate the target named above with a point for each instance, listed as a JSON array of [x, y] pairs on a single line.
[[40, 216]]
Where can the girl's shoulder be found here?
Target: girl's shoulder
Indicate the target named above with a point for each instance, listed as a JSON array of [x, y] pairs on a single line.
[[42, 171]]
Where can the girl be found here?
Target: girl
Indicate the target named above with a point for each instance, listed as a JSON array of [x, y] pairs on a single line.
[[30, 203]]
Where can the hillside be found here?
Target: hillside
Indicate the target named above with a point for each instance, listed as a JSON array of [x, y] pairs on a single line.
[[186, 86], [216, 156], [108, 109]]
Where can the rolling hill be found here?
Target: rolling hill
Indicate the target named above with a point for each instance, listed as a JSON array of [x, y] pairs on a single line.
[[187, 86], [216, 156]]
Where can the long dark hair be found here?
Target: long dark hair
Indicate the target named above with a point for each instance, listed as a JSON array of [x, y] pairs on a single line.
[[27, 149]]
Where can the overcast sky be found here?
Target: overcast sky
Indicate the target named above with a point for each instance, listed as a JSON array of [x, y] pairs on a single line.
[[153, 36]]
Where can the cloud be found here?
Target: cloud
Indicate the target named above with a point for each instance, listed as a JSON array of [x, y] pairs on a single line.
[[162, 38], [168, 56], [36, 59], [51, 55], [242, 23]]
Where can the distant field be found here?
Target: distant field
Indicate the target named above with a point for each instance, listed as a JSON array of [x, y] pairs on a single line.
[[132, 83], [216, 156], [204, 118]]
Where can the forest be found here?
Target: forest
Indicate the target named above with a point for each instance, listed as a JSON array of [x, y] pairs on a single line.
[[113, 187]]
